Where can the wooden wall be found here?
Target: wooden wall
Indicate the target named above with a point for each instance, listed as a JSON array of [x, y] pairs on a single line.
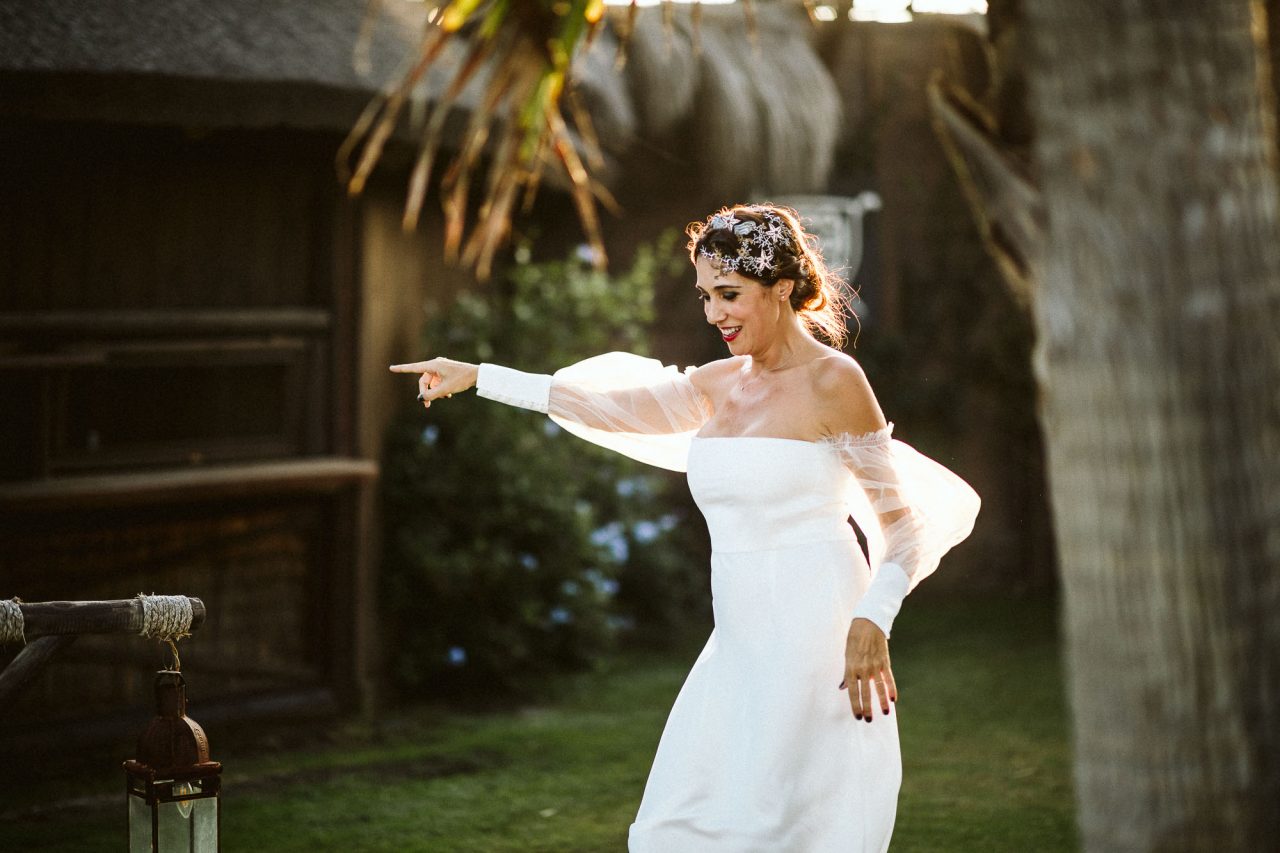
[[252, 563], [114, 217], [179, 366]]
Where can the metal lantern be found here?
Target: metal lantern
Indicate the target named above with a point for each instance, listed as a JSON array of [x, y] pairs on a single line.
[[172, 786]]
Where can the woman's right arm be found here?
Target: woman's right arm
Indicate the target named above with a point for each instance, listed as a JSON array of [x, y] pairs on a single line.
[[662, 401]]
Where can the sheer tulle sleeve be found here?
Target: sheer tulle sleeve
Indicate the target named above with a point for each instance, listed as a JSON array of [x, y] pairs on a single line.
[[625, 402], [912, 511]]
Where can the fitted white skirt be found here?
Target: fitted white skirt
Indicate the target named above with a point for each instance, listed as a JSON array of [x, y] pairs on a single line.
[[761, 752]]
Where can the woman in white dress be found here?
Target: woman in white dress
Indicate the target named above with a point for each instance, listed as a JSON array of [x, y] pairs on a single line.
[[783, 737]]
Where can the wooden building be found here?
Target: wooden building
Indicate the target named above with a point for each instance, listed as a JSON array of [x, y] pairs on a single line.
[[195, 323]]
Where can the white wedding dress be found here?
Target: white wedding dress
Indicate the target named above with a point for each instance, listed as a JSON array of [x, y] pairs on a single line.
[[761, 752]]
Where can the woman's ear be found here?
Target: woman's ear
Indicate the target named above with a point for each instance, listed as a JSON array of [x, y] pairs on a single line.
[[785, 286]]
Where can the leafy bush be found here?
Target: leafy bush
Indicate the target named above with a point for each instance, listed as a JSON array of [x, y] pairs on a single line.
[[513, 548]]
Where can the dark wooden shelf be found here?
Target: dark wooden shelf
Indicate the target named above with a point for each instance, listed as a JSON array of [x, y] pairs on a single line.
[[193, 484], [166, 322]]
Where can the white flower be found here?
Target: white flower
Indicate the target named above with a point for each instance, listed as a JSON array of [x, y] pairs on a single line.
[[628, 486], [605, 586], [645, 531]]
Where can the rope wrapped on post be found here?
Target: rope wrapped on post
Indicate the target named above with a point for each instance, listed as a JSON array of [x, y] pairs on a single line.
[[165, 617], [11, 622]]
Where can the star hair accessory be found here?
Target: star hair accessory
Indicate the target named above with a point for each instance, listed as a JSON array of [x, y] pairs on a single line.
[[759, 243]]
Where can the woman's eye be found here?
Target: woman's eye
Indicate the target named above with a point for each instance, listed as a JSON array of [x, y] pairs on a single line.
[[702, 297], [730, 296]]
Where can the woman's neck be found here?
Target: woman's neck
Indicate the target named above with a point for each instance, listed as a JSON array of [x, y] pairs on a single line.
[[792, 345]]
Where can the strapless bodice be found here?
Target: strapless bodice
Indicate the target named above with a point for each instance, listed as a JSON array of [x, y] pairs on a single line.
[[760, 493]]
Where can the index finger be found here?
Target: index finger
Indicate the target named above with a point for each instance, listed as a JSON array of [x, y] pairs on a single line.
[[415, 367]]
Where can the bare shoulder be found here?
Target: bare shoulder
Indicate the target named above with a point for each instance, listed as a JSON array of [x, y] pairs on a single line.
[[712, 378], [848, 404]]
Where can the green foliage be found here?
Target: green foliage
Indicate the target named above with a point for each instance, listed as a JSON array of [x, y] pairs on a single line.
[[509, 542]]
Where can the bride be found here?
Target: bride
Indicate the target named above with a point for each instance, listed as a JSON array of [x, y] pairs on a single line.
[[784, 736]]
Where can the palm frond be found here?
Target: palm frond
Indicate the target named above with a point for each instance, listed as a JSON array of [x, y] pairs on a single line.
[[521, 53]]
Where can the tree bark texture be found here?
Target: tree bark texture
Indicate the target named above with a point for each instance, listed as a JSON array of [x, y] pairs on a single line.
[[1158, 310]]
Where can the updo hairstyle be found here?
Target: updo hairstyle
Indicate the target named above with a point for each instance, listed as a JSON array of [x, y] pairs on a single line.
[[817, 297]]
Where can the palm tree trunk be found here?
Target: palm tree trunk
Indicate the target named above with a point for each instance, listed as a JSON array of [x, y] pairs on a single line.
[[1158, 309]]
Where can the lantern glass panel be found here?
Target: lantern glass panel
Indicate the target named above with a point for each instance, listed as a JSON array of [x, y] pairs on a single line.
[[187, 817], [204, 825], [174, 830], [139, 825]]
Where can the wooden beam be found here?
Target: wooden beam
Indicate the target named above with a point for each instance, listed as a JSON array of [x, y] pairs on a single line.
[[29, 663], [53, 360], [320, 474], [163, 323], [121, 616]]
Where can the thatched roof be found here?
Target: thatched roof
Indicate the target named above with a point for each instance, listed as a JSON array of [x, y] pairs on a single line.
[[228, 39], [766, 121], [213, 64], [756, 119]]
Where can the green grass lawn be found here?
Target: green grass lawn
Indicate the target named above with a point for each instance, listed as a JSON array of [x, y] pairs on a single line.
[[981, 713]]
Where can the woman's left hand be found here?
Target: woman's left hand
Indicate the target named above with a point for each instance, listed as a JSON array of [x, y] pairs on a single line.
[[867, 671]]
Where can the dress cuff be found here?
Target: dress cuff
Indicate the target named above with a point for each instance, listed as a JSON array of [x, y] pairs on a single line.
[[514, 387], [883, 597]]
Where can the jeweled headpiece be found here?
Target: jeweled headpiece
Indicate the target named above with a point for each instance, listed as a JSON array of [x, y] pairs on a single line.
[[760, 244]]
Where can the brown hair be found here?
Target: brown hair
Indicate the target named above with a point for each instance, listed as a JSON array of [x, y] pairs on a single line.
[[818, 296]]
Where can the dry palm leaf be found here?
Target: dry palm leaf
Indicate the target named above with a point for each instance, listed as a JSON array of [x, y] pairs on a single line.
[[526, 47]]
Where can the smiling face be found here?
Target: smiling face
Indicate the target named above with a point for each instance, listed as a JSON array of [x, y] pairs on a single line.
[[747, 313]]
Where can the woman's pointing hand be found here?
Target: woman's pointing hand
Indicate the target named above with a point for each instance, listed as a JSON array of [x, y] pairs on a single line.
[[440, 377]]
